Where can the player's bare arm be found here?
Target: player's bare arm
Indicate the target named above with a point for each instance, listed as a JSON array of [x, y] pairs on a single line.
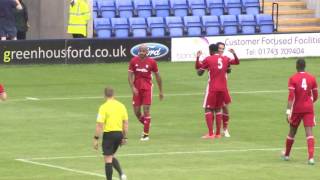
[[236, 60], [125, 132], [290, 103], [198, 64], [159, 82], [97, 135], [130, 80], [315, 92]]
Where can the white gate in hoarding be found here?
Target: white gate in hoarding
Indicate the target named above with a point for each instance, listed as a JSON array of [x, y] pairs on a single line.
[[250, 46]]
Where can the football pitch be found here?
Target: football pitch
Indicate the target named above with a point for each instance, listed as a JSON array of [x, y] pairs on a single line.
[[48, 122]]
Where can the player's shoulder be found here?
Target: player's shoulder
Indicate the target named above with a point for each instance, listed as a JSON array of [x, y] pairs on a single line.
[[150, 59], [311, 76], [134, 59]]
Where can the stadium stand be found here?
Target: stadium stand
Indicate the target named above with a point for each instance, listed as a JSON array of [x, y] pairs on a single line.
[[107, 8], [265, 23], [251, 6], [175, 26], [211, 25], [161, 8], [193, 25], [197, 7], [216, 7], [103, 27], [179, 7], [125, 8], [143, 8], [247, 23], [160, 18], [157, 26], [138, 26], [120, 27], [229, 24]]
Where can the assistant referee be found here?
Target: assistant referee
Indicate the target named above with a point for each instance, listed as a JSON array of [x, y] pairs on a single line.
[[112, 120]]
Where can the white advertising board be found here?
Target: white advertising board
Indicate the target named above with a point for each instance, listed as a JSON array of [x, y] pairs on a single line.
[[250, 46]]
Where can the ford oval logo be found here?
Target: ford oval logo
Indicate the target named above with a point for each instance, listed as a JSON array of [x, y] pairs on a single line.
[[156, 50]]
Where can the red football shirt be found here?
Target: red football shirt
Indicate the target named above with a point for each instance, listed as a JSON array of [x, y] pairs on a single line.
[[303, 92], [1, 89], [142, 69], [217, 66]]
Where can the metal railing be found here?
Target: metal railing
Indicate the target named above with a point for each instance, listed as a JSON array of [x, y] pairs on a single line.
[[275, 15]]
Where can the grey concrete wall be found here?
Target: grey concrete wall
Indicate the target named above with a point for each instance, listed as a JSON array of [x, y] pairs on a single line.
[[49, 19]]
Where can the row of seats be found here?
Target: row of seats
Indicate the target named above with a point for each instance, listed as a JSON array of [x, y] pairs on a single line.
[[188, 25], [164, 8]]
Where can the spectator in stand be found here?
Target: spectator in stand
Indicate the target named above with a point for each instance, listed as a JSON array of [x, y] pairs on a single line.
[[8, 28], [79, 15], [22, 23]]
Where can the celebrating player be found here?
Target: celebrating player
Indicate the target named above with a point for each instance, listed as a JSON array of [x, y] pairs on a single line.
[[303, 93], [3, 94], [216, 93], [140, 72], [225, 115]]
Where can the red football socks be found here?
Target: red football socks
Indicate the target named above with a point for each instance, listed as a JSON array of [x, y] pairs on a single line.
[[209, 120], [310, 142], [225, 119], [218, 123], [147, 121], [141, 119], [289, 143]]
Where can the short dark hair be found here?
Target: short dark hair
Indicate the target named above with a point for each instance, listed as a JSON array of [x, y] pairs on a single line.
[[220, 43], [301, 64], [213, 48], [108, 92]]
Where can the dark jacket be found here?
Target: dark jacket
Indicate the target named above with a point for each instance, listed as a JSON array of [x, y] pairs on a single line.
[[22, 18]]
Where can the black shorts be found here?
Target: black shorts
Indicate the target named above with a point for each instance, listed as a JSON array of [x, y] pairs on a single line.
[[111, 142]]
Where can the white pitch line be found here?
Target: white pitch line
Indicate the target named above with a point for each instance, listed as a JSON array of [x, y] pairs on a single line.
[[169, 153], [32, 99], [63, 168], [129, 96]]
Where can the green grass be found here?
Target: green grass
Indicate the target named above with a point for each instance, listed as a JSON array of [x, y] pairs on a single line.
[[64, 127]]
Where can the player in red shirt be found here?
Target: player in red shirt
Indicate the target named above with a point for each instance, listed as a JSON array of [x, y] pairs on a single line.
[[225, 115], [303, 93], [216, 92], [3, 94], [140, 72]]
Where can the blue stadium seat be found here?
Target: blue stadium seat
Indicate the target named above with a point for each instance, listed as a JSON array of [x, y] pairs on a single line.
[[251, 6], [156, 26], [120, 27], [233, 7], [175, 26], [265, 23], [198, 7], [193, 25], [179, 7], [247, 23], [229, 24], [211, 25], [125, 8], [143, 8], [161, 8], [95, 9], [216, 7], [138, 26], [107, 8], [102, 27]]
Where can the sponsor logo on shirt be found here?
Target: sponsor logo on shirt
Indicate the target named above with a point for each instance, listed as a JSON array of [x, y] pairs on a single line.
[[156, 50], [142, 70]]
